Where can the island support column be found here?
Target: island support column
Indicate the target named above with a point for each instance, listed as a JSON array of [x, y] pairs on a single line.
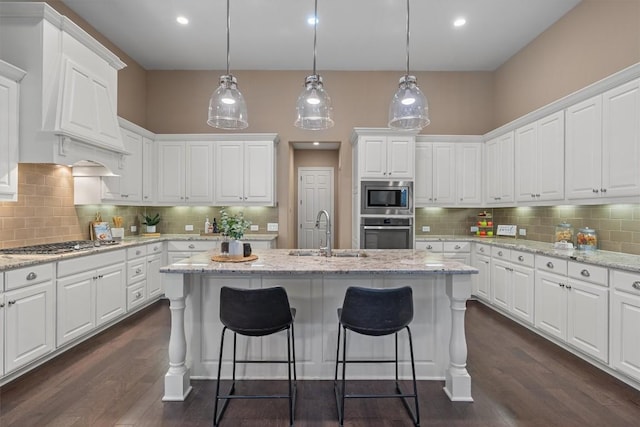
[[457, 379], [177, 380]]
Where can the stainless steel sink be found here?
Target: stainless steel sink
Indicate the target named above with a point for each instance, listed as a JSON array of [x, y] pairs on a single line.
[[349, 254], [305, 252]]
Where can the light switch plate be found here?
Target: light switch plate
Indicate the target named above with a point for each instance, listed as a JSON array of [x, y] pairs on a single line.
[[134, 228], [522, 231], [188, 227], [426, 229], [272, 226], [255, 227]]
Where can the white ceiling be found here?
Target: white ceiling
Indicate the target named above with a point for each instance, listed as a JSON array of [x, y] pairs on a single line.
[[351, 34]]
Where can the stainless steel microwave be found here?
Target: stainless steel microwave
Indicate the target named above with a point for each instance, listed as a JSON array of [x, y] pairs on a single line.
[[386, 197]]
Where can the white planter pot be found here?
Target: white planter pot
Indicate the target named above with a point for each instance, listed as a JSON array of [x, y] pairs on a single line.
[[151, 228], [235, 248]]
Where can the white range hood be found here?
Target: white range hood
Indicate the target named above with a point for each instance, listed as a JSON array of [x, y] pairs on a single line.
[[68, 104]]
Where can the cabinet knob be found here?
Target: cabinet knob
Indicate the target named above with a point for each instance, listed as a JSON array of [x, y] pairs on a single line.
[[457, 247], [181, 198], [500, 253], [533, 195], [550, 264], [521, 258], [482, 250], [569, 287], [138, 295], [146, 197], [595, 190], [32, 276], [138, 252], [1, 304], [636, 285], [138, 271], [585, 273], [192, 246], [429, 247]]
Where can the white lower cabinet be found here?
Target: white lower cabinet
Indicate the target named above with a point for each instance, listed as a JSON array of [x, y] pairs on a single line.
[[482, 280], [512, 279], [91, 292], [143, 274], [571, 309], [625, 318], [154, 277], [27, 314]]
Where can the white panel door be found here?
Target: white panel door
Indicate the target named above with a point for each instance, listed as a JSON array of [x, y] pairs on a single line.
[[583, 148], [522, 293], [625, 339], [551, 304], [149, 165], [2, 311], [444, 174], [423, 185], [198, 173], [468, 174], [154, 277], [111, 296], [373, 157], [29, 325], [483, 278], [258, 172], [550, 157], [75, 306], [229, 175], [315, 192], [588, 318], [526, 148], [400, 157], [171, 173], [501, 289], [8, 140], [621, 141]]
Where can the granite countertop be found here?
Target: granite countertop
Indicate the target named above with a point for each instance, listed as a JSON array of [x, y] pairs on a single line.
[[602, 258], [11, 261], [279, 261]]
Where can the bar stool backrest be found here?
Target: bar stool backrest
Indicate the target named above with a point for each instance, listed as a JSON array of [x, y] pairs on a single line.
[[377, 311], [255, 312]]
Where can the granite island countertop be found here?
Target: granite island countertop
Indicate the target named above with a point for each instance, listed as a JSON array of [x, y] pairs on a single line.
[[279, 261], [11, 261]]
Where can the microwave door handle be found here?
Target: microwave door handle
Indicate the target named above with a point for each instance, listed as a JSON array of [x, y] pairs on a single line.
[[381, 227]]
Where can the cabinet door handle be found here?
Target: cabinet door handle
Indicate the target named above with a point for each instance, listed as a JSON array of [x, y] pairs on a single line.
[[192, 246], [499, 253], [636, 285], [550, 264], [603, 190], [569, 287], [537, 195], [100, 276], [1, 305], [138, 271], [32, 276], [585, 273], [561, 285], [482, 250], [456, 247], [520, 258], [595, 190], [429, 247], [11, 302]]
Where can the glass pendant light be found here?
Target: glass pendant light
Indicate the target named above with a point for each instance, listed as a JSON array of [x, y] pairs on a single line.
[[227, 108], [314, 105], [409, 109]]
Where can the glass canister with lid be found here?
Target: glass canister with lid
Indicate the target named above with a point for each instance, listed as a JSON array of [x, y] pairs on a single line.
[[564, 232], [587, 239]]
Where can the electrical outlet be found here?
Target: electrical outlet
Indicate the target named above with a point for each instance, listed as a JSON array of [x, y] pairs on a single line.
[[272, 226], [188, 227], [255, 228], [134, 228], [474, 228], [426, 229], [523, 231]]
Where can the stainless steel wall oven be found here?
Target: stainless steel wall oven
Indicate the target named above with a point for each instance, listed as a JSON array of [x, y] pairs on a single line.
[[386, 233]]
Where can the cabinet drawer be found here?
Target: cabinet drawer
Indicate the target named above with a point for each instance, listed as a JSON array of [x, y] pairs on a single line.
[[430, 246], [501, 253], [589, 273], [483, 249], [626, 281], [522, 258], [154, 248], [29, 275], [457, 247], [136, 252], [136, 270], [90, 262], [136, 295], [552, 265], [191, 245]]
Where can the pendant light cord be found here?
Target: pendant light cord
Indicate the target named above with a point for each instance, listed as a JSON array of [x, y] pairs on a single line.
[[228, 45], [315, 31], [407, 37]]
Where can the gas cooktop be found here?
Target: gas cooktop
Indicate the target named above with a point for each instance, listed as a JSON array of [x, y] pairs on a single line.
[[57, 248]]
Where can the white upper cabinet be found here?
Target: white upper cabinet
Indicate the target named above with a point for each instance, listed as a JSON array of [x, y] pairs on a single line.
[[149, 164], [245, 172], [185, 173], [539, 160], [603, 145], [435, 174], [382, 153], [468, 174], [499, 169], [9, 107]]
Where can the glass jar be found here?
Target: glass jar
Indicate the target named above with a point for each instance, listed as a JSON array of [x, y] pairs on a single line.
[[564, 233], [587, 239]]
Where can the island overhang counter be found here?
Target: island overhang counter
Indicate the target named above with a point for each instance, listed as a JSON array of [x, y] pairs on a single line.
[[316, 286]]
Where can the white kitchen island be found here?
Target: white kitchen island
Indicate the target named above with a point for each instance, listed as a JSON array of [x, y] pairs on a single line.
[[316, 287]]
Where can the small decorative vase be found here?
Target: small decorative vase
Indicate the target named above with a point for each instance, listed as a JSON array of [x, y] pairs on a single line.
[[151, 228], [235, 248]]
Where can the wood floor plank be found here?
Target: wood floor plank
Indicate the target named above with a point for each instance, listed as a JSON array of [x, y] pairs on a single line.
[[117, 378]]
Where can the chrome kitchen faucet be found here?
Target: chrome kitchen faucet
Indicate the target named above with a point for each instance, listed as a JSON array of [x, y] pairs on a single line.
[[327, 230]]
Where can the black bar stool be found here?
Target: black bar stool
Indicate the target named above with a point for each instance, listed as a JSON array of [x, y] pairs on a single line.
[[256, 313], [375, 312]]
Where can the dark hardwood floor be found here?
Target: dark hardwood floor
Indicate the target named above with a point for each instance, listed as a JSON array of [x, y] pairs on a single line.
[[116, 379]]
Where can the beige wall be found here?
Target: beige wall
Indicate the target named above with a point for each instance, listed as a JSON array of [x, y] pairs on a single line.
[[594, 40]]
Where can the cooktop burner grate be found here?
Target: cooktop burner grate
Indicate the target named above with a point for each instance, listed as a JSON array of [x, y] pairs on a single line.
[[56, 248]]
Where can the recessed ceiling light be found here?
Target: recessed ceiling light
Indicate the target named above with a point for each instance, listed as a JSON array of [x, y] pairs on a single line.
[[459, 22], [182, 20]]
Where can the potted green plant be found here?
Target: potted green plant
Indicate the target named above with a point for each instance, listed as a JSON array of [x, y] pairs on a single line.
[[233, 227], [151, 222]]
